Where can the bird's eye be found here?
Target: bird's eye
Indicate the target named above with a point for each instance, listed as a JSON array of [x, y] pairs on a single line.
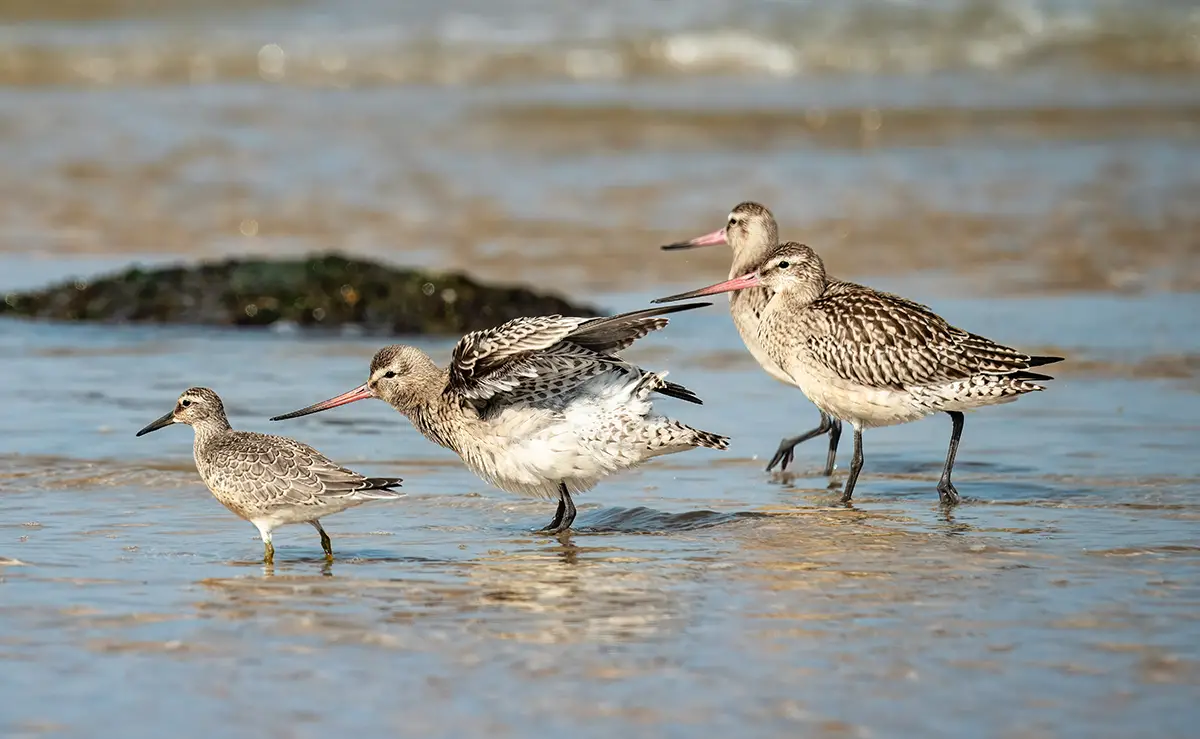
[[732, 221], [389, 374], [185, 403], [784, 265]]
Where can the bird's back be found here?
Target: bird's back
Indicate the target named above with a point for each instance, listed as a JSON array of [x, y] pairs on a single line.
[[882, 340], [253, 473]]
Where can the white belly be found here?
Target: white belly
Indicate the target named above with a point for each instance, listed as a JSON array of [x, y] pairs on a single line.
[[863, 406], [530, 451], [271, 520]]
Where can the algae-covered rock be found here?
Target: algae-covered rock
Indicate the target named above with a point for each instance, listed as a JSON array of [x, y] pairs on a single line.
[[328, 290]]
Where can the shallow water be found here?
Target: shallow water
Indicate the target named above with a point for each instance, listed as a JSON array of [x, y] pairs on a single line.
[[698, 596], [1029, 169], [526, 142]]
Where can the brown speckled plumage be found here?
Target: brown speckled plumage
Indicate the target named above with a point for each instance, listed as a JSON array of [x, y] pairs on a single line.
[[880, 340], [752, 233], [538, 406], [876, 359]]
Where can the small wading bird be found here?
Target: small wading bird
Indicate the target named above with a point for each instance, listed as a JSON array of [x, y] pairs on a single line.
[[751, 233], [876, 359], [538, 406], [270, 481]]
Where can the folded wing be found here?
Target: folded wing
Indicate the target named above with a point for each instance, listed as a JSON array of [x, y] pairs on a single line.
[[883, 340], [277, 470]]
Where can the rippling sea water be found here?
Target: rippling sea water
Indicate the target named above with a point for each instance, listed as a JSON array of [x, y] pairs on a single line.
[[1029, 169]]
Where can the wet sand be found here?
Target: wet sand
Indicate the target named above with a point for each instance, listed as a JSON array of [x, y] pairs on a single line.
[[1053, 210]]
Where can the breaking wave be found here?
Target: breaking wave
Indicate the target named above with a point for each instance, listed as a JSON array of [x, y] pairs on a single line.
[[457, 49]]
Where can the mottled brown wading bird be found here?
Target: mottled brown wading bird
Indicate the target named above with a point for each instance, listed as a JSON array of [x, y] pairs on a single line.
[[751, 233], [875, 359], [540, 406], [270, 481]]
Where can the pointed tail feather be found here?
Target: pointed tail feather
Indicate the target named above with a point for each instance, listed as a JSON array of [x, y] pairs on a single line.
[[650, 382], [1030, 376], [711, 440], [1041, 361], [670, 436], [381, 487], [616, 333], [673, 390], [621, 319]]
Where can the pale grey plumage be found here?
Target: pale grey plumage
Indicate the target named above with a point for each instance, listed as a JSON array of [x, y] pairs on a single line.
[[538, 406], [877, 359], [268, 480], [256, 475]]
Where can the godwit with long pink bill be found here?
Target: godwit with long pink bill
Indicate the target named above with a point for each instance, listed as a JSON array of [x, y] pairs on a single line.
[[875, 359], [270, 481], [538, 406], [751, 232]]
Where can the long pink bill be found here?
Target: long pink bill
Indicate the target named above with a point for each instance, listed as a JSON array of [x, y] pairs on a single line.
[[362, 392], [737, 283], [712, 239]]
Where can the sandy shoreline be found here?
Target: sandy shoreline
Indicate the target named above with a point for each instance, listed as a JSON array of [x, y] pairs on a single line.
[[1088, 241]]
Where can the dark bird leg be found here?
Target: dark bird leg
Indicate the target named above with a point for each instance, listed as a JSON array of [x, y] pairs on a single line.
[[558, 517], [856, 463], [835, 435], [565, 515], [787, 448], [326, 544], [946, 491]]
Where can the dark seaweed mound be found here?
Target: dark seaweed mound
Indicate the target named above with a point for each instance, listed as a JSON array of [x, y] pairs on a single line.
[[329, 290]]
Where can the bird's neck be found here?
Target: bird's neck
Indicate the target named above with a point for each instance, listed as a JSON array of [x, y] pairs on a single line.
[[803, 294], [438, 423], [207, 433], [797, 297], [420, 392], [749, 258], [209, 430]]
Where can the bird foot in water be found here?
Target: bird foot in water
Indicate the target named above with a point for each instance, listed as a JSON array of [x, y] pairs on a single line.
[[947, 493], [783, 457], [553, 530]]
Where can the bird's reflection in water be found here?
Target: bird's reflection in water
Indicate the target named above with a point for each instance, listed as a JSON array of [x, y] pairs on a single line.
[[541, 590]]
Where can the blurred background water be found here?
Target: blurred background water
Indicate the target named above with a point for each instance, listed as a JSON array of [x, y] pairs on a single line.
[[1030, 169]]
